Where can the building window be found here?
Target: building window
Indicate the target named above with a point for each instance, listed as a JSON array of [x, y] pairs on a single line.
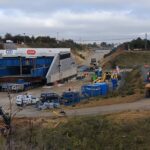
[[64, 56]]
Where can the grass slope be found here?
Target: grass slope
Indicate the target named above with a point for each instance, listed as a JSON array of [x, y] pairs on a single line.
[[129, 59], [85, 133]]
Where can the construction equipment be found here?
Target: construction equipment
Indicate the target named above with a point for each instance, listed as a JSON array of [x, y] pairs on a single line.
[[93, 64], [105, 76]]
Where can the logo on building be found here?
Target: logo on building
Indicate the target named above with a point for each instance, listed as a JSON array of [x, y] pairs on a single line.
[[9, 52], [31, 52]]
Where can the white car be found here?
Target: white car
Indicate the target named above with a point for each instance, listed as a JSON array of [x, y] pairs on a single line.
[[26, 99]]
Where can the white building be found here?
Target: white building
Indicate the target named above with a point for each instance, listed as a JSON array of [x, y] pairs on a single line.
[[51, 64]]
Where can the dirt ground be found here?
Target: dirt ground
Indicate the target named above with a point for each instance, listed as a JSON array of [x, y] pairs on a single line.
[[75, 85], [93, 102], [129, 116]]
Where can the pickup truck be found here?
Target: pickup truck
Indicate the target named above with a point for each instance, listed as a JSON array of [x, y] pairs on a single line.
[[26, 100]]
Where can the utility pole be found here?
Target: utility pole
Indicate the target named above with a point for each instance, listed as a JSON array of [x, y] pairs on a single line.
[[24, 37], [129, 47], [57, 37], [146, 41]]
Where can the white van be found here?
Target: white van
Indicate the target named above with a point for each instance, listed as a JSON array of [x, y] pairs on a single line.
[[26, 99]]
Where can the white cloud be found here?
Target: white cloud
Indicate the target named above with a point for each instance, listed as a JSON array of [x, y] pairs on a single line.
[[89, 19]]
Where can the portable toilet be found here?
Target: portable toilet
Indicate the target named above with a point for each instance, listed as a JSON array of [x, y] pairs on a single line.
[[91, 90], [103, 88]]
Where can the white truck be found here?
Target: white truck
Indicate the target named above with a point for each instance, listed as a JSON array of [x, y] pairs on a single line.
[[26, 99]]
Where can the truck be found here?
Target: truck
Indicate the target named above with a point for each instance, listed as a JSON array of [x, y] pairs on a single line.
[[26, 99], [93, 64]]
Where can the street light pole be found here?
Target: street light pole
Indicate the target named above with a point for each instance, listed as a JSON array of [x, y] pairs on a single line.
[[146, 41], [24, 37]]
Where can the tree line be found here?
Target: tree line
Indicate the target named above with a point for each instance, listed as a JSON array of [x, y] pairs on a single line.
[[47, 41], [139, 44], [41, 41]]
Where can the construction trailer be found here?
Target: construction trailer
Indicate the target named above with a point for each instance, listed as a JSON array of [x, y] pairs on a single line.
[[37, 64]]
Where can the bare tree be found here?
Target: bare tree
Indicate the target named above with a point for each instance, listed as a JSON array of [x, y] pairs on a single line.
[[7, 119]]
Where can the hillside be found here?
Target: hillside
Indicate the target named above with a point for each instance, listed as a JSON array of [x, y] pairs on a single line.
[[111, 132], [126, 59]]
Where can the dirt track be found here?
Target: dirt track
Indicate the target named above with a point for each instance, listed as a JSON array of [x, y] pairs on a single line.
[[100, 110]]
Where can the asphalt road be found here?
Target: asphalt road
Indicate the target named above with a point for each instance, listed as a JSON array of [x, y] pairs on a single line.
[[99, 110], [98, 54]]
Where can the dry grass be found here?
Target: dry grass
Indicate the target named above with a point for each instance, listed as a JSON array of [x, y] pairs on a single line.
[[78, 56], [127, 59], [104, 62], [128, 116], [51, 122]]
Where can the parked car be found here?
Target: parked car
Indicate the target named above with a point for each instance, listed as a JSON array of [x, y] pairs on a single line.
[[26, 100]]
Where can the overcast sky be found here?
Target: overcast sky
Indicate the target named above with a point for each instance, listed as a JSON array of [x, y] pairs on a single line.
[[102, 20]]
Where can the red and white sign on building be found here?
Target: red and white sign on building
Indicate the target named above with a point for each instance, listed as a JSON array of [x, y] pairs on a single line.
[[31, 52]]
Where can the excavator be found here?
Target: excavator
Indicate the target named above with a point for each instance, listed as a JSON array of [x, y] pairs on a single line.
[[105, 76]]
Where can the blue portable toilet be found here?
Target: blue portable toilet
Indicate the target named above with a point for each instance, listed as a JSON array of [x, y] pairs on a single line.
[[91, 90], [103, 87]]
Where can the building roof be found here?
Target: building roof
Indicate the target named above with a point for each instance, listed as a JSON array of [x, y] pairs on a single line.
[[33, 52]]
